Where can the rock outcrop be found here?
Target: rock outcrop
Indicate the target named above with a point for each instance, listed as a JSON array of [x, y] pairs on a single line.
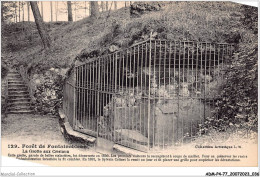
[[48, 90]]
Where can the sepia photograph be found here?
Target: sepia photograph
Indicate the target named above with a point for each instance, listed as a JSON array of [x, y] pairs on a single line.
[[130, 84]]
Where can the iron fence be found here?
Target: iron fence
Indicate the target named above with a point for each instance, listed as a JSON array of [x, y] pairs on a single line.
[[151, 96]]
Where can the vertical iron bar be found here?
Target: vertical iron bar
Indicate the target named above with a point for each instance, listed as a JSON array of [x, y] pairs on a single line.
[[124, 94], [175, 93], [154, 95], [183, 77], [142, 90], [99, 92], [205, 73], [149, 95], [104, 95], [123, 82], [93, 96], [88, 96], [193, 79], [138, 102], [75, 99], [188, 77], [134, 119], [165, 91], [179, 84], [82, 97], [170, 92], [201, 74], [159, 85], [116, 90]]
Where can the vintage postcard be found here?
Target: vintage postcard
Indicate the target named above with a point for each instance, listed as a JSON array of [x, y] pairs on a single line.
[[130, 84]]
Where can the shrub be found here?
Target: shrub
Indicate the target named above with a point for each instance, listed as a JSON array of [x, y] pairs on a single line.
[[4, 71], [237, 108]]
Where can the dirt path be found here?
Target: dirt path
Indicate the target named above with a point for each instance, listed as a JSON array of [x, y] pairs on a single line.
[[33, 129]]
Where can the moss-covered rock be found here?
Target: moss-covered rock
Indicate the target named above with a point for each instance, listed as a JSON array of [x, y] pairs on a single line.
[[48, 90]]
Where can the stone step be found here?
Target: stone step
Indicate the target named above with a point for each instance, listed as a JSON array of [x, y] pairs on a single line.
[[18, 100], [24, 103], [18, 96], [18, 92], [15, 78], [20, 112], [13, 71], [17, 86], [18, 89], [20, 108], [15, 81], [13, 74]]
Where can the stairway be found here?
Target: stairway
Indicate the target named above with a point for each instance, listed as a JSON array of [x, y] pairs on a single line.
[[19, 101]]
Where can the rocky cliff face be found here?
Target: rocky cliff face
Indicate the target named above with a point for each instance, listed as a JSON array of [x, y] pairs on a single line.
[[48, 90]]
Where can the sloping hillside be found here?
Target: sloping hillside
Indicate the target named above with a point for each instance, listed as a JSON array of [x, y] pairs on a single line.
[[198, 21]]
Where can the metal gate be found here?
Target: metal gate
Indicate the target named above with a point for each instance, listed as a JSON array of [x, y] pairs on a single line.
[[151, 96]]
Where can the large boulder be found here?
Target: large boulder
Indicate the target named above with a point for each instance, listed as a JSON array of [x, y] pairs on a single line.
[[139, 8], [48, 90]]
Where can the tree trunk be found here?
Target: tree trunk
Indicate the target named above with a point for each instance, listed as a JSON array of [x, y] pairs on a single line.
[[28, 9], [56, 9], [22, 3], [85, 8], [70, 19], [42, 10], [19, 15], [106, 5], [40, 25], [51, 12], [23, 10], [94, 9], [115, 3], [15, 12], [75, 10], [2, 14], [102, 6], [89, 5]]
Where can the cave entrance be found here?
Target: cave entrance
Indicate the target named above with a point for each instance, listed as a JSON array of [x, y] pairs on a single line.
[[152, 96]]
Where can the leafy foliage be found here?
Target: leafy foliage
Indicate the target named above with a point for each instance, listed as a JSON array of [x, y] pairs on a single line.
[[239, 103], [250, 18], [4, 71], [202, 21], [7, 9], [237, 108]]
